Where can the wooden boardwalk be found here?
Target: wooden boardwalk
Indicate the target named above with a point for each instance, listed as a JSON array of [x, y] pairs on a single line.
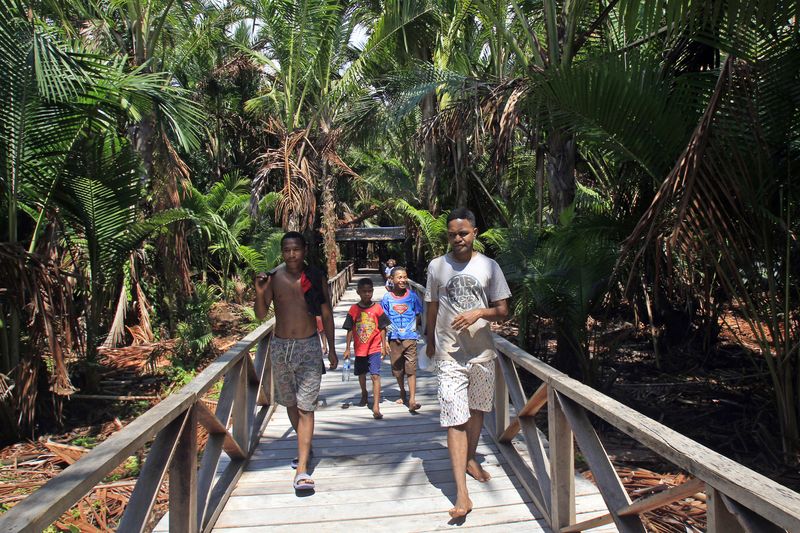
[[390, 474]]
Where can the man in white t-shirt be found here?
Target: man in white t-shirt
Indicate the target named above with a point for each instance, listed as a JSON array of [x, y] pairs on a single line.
[[465, 292]]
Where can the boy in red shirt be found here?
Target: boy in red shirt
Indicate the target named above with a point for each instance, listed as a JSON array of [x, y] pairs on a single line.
[[369, 323]]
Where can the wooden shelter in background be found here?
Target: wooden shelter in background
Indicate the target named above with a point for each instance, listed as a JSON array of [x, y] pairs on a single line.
[[367, 246]]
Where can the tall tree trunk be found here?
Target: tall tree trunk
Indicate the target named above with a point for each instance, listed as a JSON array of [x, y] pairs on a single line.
[[329, 220], [430, 158], [460, 171], [561, 152]]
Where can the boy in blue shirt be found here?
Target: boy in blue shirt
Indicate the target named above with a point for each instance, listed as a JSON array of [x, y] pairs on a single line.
[[404, 308]]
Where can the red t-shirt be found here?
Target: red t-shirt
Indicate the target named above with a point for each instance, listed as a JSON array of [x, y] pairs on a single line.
[[366, 324]]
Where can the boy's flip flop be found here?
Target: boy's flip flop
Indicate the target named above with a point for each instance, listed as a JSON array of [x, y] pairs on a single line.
[[296, 460], [303, 482]]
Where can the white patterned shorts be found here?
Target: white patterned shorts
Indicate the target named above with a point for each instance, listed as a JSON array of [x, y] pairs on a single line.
[[464, 387]]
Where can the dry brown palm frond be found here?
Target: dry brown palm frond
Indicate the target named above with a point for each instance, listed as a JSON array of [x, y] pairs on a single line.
[[168, 192], [293, 160], [142, 305], [486, 119], [328, 143], [39, 290], [675, 211]]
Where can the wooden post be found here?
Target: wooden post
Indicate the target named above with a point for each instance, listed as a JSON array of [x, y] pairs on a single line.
[[241, 416], [720, 519], [562, 465], [501, 417], [266, 374], [183, 479]]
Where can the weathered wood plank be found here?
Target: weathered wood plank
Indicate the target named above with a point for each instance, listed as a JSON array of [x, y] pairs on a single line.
[[660, 499], [241, 413], [562, 464], [719, 518], [501, 413], [541, 468], [523, 472], [344, 512], [642, 505], [263, 365], [356, 458], [604, 474], [751, 522], [531, 408], [151, 477], [208, 420], [183, 478], [397, 493], [363, 479], [333, 451]]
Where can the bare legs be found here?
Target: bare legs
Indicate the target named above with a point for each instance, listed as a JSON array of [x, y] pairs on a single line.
[[412, 391], [362, 380], [376, 396], [376, 393], [402, 386], [462, 441], [303, 424]]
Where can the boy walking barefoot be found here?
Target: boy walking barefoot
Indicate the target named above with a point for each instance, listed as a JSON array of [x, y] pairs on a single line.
[[465, 292], [300, 294], [369, 323], [403, 308]]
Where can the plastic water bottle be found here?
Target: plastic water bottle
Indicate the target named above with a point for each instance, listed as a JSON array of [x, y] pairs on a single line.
[[346, 370]]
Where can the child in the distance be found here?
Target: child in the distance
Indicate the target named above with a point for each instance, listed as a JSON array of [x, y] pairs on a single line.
[[404, 308], [366, 327]]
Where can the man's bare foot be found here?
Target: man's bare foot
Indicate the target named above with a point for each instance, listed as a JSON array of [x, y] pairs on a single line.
[[363, 400], [402, 398], [413, 406], [461, 509], [377, 415], [475, 470]]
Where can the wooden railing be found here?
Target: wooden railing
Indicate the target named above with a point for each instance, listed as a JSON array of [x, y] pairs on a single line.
[[197, 492], [338, 283], [738, 499]]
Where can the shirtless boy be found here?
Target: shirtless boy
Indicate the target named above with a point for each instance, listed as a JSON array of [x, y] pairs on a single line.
[[300, 294]]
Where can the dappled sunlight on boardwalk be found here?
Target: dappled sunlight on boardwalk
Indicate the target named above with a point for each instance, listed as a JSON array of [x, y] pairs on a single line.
[[391, 474]]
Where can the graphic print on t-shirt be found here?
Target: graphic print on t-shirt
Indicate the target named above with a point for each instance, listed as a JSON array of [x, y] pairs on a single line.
[[365, 326], [400, 308], [462, 292]]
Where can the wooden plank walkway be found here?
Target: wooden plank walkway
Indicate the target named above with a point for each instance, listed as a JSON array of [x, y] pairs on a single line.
[[390, 474]]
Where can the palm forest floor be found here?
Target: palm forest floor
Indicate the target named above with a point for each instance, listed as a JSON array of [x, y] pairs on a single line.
[[718, 401]]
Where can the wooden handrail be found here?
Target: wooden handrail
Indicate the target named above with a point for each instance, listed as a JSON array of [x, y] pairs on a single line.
[[197, 493], [740, 499]]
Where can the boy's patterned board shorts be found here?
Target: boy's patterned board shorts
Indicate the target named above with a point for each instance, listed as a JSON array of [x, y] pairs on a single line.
[[296, 371], [464, 387]]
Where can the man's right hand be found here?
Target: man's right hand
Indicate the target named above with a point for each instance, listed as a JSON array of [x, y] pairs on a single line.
[[430, 350], [261, 282]]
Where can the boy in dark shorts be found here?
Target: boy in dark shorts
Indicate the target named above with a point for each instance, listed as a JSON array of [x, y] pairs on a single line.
[[300, 293], [366, 326], [404, 308]]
